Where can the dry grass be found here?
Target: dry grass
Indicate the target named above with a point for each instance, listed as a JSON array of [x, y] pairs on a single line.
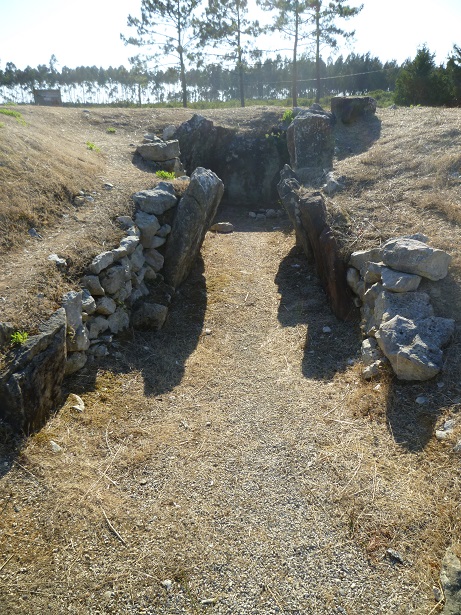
[[252, 467]]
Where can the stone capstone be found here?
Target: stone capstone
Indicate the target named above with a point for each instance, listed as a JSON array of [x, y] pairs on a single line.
[[350, 108]]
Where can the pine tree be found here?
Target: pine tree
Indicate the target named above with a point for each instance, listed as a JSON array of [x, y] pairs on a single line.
[[166, 25], [292, 17], [326, 31], [225, 24]]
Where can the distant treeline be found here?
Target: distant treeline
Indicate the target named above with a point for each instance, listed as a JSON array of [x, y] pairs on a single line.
[[418, 81]]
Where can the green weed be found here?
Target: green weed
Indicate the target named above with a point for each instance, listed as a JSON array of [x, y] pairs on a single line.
[[90, 145], [288, 116], [19, 337], [12, 113], [111, 130], [165, 175]]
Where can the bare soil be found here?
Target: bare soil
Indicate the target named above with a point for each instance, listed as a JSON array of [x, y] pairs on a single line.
[[234, 462]]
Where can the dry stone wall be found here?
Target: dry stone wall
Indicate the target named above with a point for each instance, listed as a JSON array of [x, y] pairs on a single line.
[[398, 320], [122, 287]]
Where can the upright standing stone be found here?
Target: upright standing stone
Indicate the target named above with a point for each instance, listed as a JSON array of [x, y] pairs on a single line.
[[195, 211], [311, 143]]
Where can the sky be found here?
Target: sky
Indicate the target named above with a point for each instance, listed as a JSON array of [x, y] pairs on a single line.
[[87, 32]]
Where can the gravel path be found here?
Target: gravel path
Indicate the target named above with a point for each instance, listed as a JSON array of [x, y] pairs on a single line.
[[234, 463]]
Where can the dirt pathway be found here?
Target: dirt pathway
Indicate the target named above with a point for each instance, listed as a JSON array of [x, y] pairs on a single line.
[[222, 465]]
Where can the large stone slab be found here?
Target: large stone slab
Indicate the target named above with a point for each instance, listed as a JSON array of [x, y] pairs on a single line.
[[159, 151], [412, 256], [194, 215], [310, 141], [247, 163], [288, 189], [414, 348], [30, 387], [330, 266], [350, 108]]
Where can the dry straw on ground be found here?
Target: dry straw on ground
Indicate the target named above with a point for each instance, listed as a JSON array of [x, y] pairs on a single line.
[[236, 462]]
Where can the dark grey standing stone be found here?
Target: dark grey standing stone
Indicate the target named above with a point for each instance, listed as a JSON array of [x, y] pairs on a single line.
[[450, 578], [30, 387], [310, 142], [194, 214]]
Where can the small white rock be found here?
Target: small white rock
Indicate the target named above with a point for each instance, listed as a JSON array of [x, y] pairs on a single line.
[[326, 330], [79, 403], [421, 400], [167, 584], [55, 447]]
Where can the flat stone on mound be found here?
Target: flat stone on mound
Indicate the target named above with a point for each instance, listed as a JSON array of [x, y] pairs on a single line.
[[159, 151], [412, 256], [156, 201]]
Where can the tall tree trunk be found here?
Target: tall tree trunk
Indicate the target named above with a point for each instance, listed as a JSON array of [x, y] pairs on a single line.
[[183, 78], [317, 50], [294, 85], [240, 63]]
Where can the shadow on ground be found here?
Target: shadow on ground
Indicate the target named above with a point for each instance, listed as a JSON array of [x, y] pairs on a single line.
[[330, 344], [159, 356], [356, 138]]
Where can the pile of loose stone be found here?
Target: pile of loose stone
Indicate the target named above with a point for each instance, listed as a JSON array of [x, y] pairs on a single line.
[[398, 320], [116, 279], [162, 154], [263, 214]]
